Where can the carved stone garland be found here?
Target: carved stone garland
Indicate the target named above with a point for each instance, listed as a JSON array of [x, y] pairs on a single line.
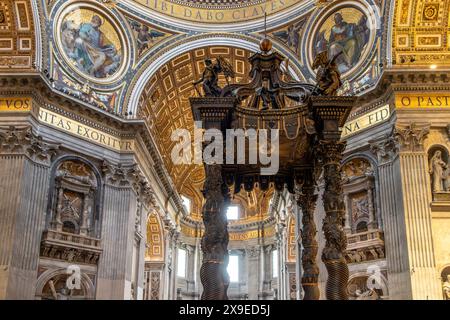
[[333, 254]]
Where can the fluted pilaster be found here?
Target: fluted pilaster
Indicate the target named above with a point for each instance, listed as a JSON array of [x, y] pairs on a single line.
[[24, 176], [425, 282]]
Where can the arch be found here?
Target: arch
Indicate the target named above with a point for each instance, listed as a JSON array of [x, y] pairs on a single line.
[[366, 156], [380, 279], [96, 227], [361, 226], [435, 147], [357, 171], [164, 105], [445, 271], [155, 239], [87, 286], [37, 35], [375, 193], [193, 43], [275, 16]]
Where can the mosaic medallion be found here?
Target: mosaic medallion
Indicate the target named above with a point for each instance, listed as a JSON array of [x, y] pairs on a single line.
[[346, 34], [91, 42]]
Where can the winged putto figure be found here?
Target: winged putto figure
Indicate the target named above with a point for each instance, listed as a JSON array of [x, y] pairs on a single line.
[[145, 36]]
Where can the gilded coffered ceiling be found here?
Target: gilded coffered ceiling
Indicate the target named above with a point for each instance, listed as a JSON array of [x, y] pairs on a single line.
[[17, 36], [164, 104], [155, 250], [421, 29]]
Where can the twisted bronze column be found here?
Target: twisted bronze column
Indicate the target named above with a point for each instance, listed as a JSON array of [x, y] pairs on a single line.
[[306, 200], [213, 272], [336, 240]]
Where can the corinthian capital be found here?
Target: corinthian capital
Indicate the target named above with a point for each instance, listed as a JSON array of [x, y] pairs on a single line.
[[385, 149], [253, 252], [141, 185], [411, 137], [23, 140], [115, 175]]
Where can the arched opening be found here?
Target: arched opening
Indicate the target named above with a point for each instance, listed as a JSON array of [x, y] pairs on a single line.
[[445, 277], [154, 279]]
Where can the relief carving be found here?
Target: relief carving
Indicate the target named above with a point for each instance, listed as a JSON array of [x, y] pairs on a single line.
[[356, 168], [155, 282], [386, 150], [59, 287], [75, 188], [360, 208], [23, 140], [411, 137], [73, 216], [253, 252], [446, 288]]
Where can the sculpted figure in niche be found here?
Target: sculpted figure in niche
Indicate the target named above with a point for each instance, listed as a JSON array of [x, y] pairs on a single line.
[[447, 178], [437, 167], [446, 288]]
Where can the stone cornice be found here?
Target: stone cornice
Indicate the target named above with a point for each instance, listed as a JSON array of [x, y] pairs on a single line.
[[238, 227], [14, 140], [40, 90], [393, 80]]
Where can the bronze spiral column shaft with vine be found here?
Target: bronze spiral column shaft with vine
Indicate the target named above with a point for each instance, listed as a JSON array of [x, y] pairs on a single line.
[[306, 200], [333, 254], [214, 243]]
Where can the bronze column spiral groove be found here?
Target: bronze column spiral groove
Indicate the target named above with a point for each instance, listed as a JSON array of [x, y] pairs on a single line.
[[301, 114], [336, 240], [306, 200], [213, 272]]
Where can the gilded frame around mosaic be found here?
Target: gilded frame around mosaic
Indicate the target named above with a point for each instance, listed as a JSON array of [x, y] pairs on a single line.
[[348, 32], [91, 42]]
